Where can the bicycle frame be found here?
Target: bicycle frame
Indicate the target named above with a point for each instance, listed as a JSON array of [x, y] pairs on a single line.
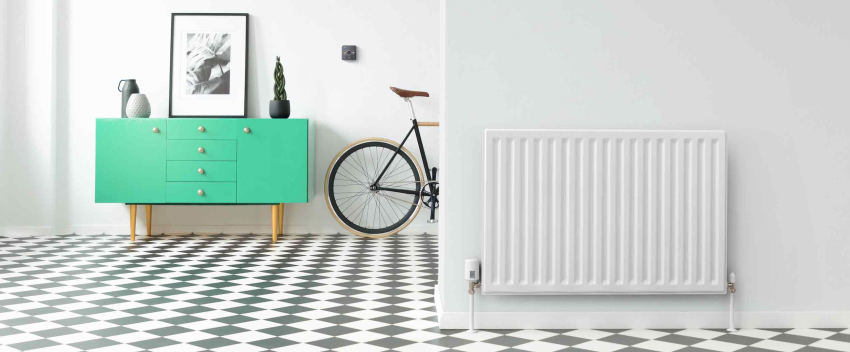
[[429, 174], [415, 129]]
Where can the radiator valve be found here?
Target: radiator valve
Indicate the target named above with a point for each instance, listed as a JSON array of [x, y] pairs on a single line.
[[731, 284], [473, 286], [472, 273]]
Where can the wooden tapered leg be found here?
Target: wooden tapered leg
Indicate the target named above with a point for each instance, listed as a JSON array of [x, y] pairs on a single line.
[[132, 222], [280, 219], [148, 216], [274, 222]]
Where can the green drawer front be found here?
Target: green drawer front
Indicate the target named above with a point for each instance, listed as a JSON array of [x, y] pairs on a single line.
[[212, 129], [213, 192], [213, 171], [212, 150]]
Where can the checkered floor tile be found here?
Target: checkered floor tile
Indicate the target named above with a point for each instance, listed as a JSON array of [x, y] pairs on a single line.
[[304, 293]]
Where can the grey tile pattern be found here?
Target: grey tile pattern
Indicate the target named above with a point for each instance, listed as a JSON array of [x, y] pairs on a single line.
[[305, 293]]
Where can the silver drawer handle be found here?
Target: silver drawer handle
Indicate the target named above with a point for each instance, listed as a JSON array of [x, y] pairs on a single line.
[[201, 150], [247, 130], [201, 171], [200, 192], [156, 130], [201, 129]]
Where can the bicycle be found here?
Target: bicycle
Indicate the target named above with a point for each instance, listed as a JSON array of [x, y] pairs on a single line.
[[374, 187]]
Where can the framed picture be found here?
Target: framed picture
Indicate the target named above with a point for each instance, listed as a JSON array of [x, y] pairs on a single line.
[[209, 65]]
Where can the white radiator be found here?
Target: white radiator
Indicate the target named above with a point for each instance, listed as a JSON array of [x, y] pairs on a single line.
[[604, 212]]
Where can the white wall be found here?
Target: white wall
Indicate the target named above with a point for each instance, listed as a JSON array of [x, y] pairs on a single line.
[[4, 63], [101, 42], [772, 74], [28, 123]]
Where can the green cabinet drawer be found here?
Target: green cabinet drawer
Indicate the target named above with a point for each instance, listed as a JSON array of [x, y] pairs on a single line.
[[201, 150], [200, 192], [203, 128], [201, 171]]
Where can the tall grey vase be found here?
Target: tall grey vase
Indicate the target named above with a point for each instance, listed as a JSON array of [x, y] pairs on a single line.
[[130, 87]]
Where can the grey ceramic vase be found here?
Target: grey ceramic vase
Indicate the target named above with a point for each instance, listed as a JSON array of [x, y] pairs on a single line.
[[279, 109], [129, 88]]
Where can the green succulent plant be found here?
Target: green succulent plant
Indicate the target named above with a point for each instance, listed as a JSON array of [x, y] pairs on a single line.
[[279, 81]]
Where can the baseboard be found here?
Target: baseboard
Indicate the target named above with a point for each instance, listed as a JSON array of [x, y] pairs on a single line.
[[296, 229], [26, 231], [438, 304], [29, 231], [639, 320]]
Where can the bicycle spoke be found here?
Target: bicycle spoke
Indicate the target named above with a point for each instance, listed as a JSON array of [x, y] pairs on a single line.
[[392, 206], [356, 195], [346, 178], [393, 175], [399, 200], [349, 204], [398, 165], [372, 153], [395, 205], [403, 185], [359, 168], [365, 165], [379, 156], [359, 215], [384, 213], [374, 214], [349, 176], [380, 164], [368, 203]]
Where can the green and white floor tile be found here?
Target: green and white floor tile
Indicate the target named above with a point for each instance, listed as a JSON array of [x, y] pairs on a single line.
[[304, 293]]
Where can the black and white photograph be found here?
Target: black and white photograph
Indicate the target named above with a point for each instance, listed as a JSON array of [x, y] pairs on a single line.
[[208, 63], [209, 55]]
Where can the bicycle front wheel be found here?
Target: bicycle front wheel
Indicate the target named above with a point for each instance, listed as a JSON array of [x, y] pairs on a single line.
[[373, 213]]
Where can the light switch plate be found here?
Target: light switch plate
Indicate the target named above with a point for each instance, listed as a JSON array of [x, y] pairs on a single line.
[[349, 52]]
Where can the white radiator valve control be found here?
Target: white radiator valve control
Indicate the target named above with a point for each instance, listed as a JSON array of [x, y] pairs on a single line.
[[472, 270]]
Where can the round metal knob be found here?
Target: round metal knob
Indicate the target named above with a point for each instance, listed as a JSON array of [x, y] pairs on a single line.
[[201, 129], [247, 130], [200, 171], [156, 130], [201, 150], [200, 192]]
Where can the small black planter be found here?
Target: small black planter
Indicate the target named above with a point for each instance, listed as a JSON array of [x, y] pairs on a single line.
[[279, 109]]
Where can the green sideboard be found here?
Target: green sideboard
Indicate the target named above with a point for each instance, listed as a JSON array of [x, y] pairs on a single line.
[[204, 161]]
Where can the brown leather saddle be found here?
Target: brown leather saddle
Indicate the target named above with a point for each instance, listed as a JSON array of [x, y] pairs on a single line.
[[404, 93]]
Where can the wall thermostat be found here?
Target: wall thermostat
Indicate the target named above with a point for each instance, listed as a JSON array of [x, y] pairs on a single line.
[[349, 52]]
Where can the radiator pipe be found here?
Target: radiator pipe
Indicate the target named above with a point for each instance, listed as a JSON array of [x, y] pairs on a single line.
[[731, 288], [471, 311], [472, 287]]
